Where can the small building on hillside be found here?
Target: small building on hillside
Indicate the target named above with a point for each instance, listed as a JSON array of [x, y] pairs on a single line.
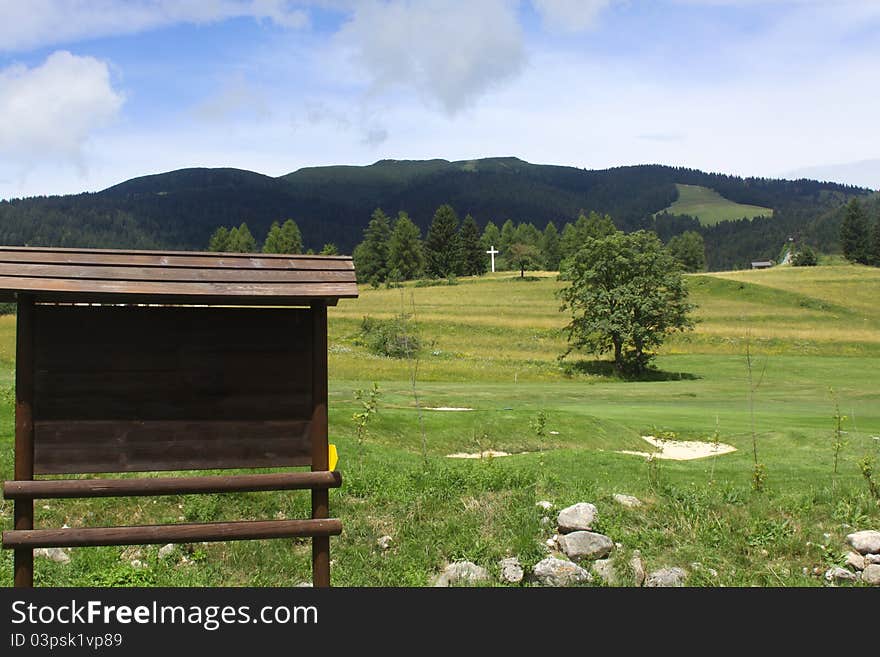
[[762, 264]]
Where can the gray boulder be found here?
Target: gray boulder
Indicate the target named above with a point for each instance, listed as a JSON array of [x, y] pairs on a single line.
[[855, 561], [511, 570], [52, 554], [666, 577], [627, 500], [167, 550], [865, 542], [462, 573], [557, 572], [585, 545], [838, 574], [577, 517], [872, 558], [871, 574]]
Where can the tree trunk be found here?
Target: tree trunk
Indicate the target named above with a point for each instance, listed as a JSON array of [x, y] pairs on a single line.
[[618, 357], [522, 271]]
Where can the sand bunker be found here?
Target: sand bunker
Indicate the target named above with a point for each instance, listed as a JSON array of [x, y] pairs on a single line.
[[489, 453], [681, 450], [448, 408]]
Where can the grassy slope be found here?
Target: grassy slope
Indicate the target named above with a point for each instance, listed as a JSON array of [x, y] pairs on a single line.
[[494, 347], [710, 207]]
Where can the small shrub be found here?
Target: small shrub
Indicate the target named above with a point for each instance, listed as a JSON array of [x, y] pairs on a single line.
[[805, 257], [393, 338]]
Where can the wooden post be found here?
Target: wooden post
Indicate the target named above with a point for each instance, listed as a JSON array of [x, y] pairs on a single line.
[[24, 432], [320, 457]]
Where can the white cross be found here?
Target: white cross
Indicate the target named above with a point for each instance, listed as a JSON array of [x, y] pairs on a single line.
[[492, 253]]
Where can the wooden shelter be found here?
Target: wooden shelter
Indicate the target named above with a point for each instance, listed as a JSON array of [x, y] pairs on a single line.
[[144, 361]]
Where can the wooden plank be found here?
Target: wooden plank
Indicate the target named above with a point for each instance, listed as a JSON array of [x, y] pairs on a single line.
[[319, 442], [174, 274], [185, 533], [80, 488], [24, 434], [149, 257], [158, 290], [70, 447]]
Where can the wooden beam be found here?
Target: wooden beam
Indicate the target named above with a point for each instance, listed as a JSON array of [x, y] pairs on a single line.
[[320, 457], [211, 531], [67, 488], [24, 433]]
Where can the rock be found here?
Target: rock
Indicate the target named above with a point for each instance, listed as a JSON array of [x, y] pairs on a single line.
[[557, 572], [544, 505], [462, 573], [696, 565], [545, 521], [553, 542], [666, 577], [871, 574], [304, 585], [578, 517], [585, 545], [166, 550], [628, 501], [604, 570], [638, 568], [511, 570], [53, 554], [872, 558], [384, 542], [838, 574], [855, 561], [130, 553], [137, 564], [865, 542]]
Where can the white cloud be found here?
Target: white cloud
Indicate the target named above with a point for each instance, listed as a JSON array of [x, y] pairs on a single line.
[[449, 52], [47, 113], [570, 15], [37, 23]]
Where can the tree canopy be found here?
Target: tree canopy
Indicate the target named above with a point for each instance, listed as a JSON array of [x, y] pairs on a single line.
[[405, 257], [626, 296], [689, 250], [285, 238], [442, 247], [854, 233], [473, 256], [371, 255]]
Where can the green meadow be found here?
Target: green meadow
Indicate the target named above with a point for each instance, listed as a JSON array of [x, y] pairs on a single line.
[[491, 345], [710, 207]]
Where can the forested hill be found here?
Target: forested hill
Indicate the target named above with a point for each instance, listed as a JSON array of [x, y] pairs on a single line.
[[180, 209]]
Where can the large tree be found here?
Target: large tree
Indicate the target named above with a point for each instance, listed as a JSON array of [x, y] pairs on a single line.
[[491, 237], [285, 238], [473, 255], [371, 255], [219, 240], [689, 250], [854, 233], [626, 296], [442, 248], [874, 248], [550, 247], [523, 256], [405, 257], [241, 240]]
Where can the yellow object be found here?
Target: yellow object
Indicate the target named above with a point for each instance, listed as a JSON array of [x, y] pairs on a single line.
[[333, 457]]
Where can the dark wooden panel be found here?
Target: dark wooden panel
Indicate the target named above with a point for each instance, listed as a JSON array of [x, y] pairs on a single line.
[[172, 274], [130, 388], [210, 531], [70, 447], [23, 560], [72, 488]]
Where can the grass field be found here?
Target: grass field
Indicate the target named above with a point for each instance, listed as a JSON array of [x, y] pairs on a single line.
[[710, 207], [492, 345]]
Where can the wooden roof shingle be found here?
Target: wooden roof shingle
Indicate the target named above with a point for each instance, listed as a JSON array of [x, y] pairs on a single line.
[[173, 277]]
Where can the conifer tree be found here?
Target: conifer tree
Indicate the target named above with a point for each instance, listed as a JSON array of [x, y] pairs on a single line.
[[219, 240], [473, 255], [854, 233], [405, 256], [442, 249], [371, 255], [551, 253]]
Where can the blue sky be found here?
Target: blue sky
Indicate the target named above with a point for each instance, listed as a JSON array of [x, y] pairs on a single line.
[[96, 92]]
